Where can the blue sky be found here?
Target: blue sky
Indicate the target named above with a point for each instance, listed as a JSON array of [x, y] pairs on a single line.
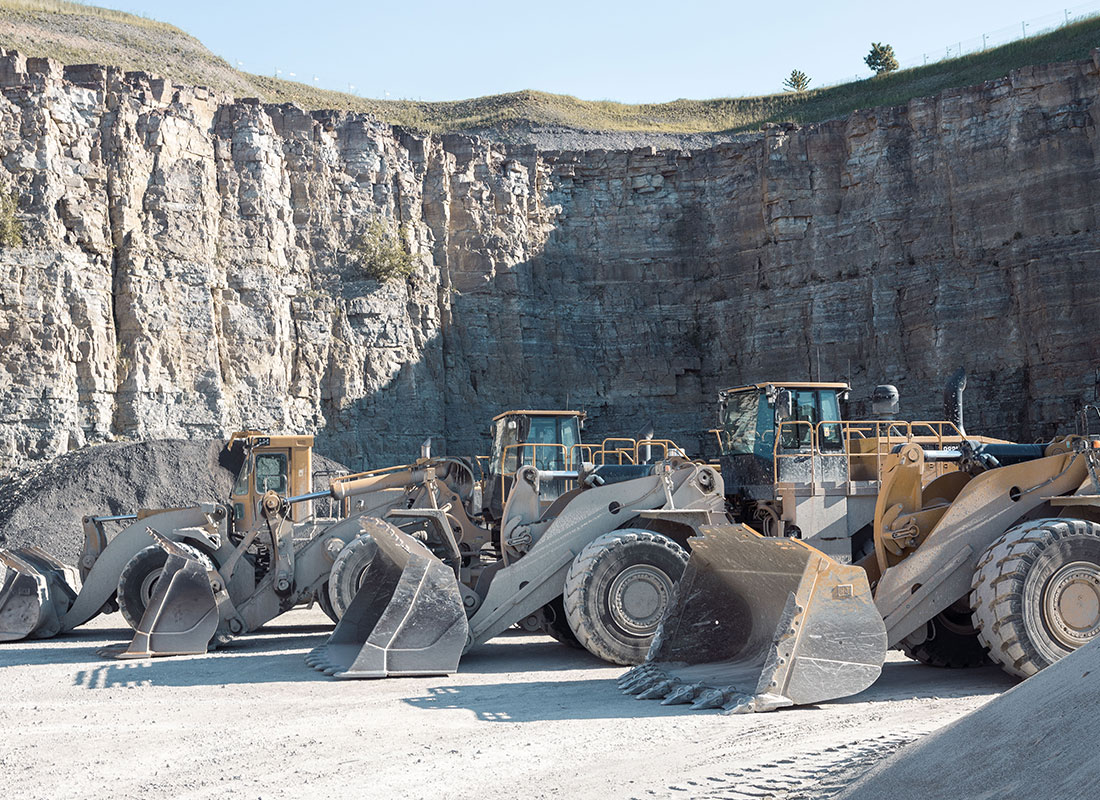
[[628, 51]]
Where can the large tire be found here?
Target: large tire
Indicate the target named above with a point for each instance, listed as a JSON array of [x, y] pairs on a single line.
[[617, 590], [1036, 593], [951, 640], [138, 580], [351, 564], [325, 602]]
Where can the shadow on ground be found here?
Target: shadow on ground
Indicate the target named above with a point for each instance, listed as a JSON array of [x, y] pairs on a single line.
[[262, 657], [84, 645], [601, 698], [902, 680]]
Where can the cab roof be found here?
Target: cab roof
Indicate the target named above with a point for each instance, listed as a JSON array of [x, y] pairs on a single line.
[[756, 387], [543, 413]]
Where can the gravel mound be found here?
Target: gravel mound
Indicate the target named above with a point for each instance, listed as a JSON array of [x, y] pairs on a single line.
[[1037, 740], [46, 507]]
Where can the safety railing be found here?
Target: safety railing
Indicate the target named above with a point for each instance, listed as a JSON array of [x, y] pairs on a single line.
[[617, 450], [864, 444]]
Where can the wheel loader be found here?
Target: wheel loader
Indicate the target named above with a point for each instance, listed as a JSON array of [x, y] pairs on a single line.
[[601, 561], [767, 430], [195, 604], [794, 467], [999, 557], [42, 597]]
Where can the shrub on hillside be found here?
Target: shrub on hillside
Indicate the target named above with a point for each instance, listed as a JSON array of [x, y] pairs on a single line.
[[381, 255]]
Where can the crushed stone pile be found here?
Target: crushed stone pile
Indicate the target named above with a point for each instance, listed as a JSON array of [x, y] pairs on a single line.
[[46, 507], [1037, 740]]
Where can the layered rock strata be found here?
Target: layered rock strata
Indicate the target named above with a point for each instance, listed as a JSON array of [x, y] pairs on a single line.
[[188, 267]]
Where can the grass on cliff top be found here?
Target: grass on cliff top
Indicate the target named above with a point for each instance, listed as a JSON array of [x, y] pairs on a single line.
[[75, 34]]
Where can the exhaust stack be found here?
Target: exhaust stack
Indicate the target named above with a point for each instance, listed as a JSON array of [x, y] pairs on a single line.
[[953, 399]]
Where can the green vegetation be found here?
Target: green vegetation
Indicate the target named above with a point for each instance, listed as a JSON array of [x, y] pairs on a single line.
[[381, 255], [881, 58], [797, 81], [81, 34], [11, 229]]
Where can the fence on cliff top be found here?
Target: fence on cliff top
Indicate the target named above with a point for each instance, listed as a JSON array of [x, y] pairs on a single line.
[[1037, 26]]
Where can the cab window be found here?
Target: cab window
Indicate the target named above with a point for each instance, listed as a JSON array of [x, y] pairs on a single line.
[[739, 432], [570, 437], [241, 486], [506, 435], [797, 432], [271, 473], [543, 451], [830, 437], [809, 407]]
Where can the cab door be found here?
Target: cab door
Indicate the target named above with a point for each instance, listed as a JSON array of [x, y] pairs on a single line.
[[266, 469]]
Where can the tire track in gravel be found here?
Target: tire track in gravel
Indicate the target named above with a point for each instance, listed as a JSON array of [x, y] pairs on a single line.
[[814, 775]]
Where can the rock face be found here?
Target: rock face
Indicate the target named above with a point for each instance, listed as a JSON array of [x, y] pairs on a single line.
[[187, 267]]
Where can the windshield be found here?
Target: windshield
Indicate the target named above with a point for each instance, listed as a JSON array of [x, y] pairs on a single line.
[[809, 407], [548, 443], [271, 473]]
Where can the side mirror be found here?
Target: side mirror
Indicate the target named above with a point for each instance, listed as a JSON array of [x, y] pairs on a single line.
[[784, 409]]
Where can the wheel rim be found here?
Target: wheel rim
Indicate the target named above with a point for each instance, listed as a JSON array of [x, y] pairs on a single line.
[[638, 598], [149, 585], [1071, 604]]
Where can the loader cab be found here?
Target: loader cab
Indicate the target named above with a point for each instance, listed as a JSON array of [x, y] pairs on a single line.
[[282, 464], [548, 440], [767, 434]]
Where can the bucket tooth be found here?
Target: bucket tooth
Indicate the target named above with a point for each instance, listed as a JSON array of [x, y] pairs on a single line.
[[746, 704], [642, 677], [760, 623], [407, 619], [709, 698], [634, 673], [739, 703], [645, 683], [679, 695], [660, 690]]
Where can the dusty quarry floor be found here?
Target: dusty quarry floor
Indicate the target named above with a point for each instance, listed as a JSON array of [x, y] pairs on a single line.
[[524, 718]]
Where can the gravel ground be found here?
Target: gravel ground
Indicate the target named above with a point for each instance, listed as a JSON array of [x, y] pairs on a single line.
[[1036, 741], [524, 718]]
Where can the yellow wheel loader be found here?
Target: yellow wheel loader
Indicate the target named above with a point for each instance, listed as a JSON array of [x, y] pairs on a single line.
[[793, 467], [1001, 554], [205, 596], [198, 603], [41, 597]]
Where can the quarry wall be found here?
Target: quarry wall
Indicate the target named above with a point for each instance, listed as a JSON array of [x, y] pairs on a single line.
[[187, 267]]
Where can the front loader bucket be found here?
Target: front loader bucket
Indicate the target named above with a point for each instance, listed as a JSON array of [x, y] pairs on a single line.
[[35, 592], [407, 619], [182, 615], [760, 623]]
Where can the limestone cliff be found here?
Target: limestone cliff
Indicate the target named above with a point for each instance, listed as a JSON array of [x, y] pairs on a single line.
[[185, 268]]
